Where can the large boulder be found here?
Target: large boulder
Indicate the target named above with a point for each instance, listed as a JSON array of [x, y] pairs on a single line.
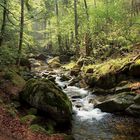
[[47, 97], [117, 103]]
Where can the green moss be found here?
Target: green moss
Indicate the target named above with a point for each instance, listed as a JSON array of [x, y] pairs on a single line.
[[69, 65], [38, 128], [44, 95], [28, 118], [32, 111], [108, 66], [137, 62], [14, 78]]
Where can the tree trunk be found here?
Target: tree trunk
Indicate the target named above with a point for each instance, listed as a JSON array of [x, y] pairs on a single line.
[[76, 29], [3, 22], [87, 35], [58, 32], [21, 32]]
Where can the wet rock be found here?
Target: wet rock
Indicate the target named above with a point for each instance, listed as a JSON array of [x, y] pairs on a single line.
[[75, 70], [117, 103], [36, 64], [41, 57], [51, 78], [47, 97], [120, 89], [99, 91], [89, 70], [64, 78], [135, 108], [54, 62], [137, 99], [106, 81], [75, 97], [134, 69], [73, 81]]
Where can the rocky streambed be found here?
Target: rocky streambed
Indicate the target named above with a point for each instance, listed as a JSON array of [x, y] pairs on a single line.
[[91, 123], [90, 118]]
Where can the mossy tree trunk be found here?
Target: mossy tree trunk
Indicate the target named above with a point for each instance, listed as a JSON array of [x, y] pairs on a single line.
[[21, 32], [3, 22]]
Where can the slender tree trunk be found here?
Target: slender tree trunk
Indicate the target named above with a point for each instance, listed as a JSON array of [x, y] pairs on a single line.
[[21, 32], [3, 22], [76, 29], [58, 32], [95, 4], [87, 35]]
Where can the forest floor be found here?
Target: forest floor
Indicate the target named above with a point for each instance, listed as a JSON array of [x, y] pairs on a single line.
[[5, 137]]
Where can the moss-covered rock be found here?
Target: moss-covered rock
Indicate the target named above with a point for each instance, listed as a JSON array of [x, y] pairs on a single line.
[[32, 111], [54, 62], [134, 109], [38, 129], [46, 96], [75, 70], [28, 119], [108, 74], [13, 77], [134, 69], [11, 84], [117, 103]]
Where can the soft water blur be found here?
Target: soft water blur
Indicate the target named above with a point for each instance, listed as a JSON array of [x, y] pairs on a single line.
[[92, 124]]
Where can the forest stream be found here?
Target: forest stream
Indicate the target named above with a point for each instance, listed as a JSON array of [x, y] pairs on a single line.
[[92, 124]]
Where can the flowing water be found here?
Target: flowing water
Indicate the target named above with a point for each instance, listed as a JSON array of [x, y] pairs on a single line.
[[92, 124]]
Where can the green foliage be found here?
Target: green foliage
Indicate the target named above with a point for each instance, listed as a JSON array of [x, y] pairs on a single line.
[[7, 55], [108, 22], [37, 128]]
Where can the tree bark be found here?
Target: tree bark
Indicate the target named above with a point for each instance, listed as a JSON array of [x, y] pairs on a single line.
[[87, 35], [21, 32], [3, 22], [76, 29], [58, 32]]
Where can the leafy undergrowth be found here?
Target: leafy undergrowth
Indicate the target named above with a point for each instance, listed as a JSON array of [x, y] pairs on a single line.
[[14, 129]]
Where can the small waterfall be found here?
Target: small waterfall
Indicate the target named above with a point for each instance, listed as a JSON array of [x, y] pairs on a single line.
[[80, 99]]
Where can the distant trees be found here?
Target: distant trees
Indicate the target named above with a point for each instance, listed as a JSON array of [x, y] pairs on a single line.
[[78, 26]]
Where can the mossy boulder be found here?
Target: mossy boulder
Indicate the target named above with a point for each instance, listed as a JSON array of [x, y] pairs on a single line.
[[49, 98], [117, 103], [11, 84], [54, 62], [134, 69], [75, 70], [29, 119], [14, 78], [108, 74], [38, 129]]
